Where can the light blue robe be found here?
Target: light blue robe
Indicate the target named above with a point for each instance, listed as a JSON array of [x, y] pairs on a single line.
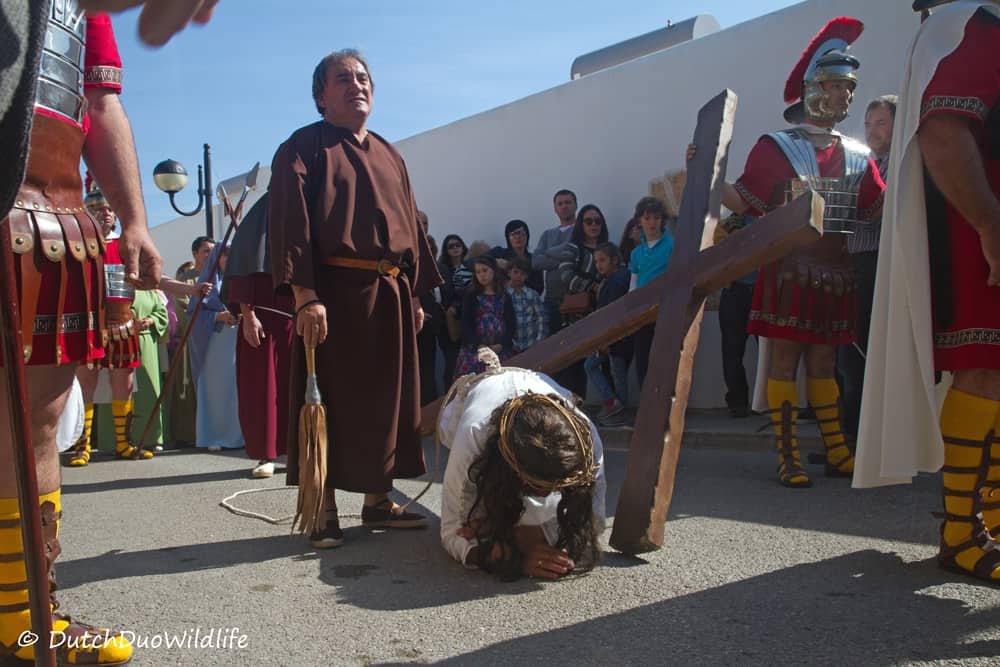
[[212, 350]]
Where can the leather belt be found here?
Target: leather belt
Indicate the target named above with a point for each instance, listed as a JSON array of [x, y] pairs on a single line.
[[383, 267]]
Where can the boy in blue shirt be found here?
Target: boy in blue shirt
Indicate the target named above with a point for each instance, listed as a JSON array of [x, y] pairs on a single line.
[[649, 260]]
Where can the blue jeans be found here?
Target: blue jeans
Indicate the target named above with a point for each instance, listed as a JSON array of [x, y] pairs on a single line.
[[619, 374]]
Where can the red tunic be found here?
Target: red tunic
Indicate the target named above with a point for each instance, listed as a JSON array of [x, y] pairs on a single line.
[[967, 83], [60, 294], [262, 372], [807, 296]]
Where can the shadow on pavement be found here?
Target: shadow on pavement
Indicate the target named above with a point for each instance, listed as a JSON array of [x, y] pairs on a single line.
[[120, 484], [864, 608]]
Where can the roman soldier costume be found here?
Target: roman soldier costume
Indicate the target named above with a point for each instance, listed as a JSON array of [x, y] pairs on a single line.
[[934, 309], [120, 338], [808, 296], [60, 253]]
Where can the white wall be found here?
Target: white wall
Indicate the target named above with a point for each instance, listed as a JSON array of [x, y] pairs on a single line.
[[606, 135]]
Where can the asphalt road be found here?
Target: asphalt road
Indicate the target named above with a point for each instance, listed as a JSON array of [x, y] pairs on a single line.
[[751, 574]]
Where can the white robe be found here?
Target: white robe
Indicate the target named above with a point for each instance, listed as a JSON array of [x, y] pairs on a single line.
[[899, 435], [463, 427]]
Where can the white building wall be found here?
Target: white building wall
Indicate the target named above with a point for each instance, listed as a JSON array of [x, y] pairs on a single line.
[[606, 135]]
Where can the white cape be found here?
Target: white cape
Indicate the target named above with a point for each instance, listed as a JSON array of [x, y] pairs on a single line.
[[70, 426], [899, 435]]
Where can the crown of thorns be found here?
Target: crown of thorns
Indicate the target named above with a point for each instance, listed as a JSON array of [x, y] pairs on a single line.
[[584, 476]]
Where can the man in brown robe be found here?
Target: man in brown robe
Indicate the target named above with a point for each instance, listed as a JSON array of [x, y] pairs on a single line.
[[345, 240]]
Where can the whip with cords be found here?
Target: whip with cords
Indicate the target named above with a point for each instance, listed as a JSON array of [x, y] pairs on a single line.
[[462, 385]]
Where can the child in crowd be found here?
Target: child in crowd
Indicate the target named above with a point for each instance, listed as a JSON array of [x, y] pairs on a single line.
[[649, 260], [487, 317], [529, 313], [614, 285], [463, 274]]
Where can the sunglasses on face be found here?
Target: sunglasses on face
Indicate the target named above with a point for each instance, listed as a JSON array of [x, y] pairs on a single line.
[[592, 221], [452, 246], [518, 232]]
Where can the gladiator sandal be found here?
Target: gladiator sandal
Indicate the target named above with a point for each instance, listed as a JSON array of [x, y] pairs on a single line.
[[966, 546], [109, 647], [80, 453], [781, 395], [965, 543], [790, 470], [81, 450], [990, 492], [124, 448], [825, 399]]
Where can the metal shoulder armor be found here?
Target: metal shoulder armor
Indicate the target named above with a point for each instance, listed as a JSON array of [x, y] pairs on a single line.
[[60, 77]]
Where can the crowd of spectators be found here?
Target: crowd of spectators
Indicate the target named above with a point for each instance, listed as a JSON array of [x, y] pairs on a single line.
[[509, 298], [505, 297]]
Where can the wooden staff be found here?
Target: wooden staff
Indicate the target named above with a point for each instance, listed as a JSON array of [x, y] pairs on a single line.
[[24, 456], [179, 353], [234, 215]]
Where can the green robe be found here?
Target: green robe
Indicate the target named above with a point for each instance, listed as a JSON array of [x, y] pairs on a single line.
[[147, 376], [180, 405]]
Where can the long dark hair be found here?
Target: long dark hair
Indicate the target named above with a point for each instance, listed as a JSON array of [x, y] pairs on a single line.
[[627, 244], [486, 260], [578, 237], [547, 447], [444, 258]]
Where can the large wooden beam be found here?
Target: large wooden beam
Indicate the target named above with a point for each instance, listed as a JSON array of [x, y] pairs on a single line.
[[675, 301], [652, 456]]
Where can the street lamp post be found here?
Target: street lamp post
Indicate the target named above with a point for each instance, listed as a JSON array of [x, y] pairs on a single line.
[[171, 177]]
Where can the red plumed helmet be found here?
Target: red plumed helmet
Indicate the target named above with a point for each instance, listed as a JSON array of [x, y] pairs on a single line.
[[825, 59], [840, 32]]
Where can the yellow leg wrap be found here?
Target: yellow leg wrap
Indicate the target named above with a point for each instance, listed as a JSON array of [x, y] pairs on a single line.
[[824, 395], [991, 494], [121, 411], [15, 618], [967, 422], [81, 450], [782, 397]]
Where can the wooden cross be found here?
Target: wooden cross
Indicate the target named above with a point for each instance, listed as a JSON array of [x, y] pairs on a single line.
[[675, 301]]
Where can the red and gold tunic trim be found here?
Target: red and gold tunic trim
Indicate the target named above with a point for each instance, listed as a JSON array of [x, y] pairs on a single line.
[[58, 247], [967, 84], [808, 296]]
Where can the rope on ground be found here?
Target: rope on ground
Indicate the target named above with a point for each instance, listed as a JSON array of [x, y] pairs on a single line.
[[287, 519], [456, 386], [263, 517], [226, 502]]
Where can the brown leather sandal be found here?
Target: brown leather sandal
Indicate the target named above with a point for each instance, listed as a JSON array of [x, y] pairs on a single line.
[[987, 565], [790, 470], [835, 468], [387, 514]]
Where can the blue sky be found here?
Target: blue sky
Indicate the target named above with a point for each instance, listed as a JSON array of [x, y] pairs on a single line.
[[242, 83]]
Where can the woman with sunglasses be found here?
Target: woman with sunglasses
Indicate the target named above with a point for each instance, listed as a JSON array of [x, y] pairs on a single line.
[[578, 274]]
